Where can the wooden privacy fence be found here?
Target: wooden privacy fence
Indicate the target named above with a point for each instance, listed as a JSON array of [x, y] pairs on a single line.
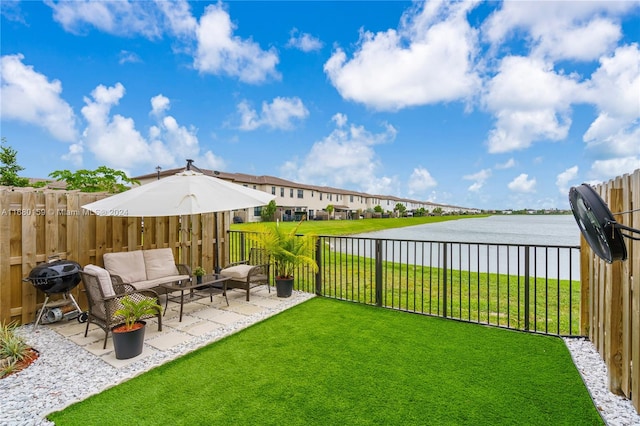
[[611, 293], [38, 224]]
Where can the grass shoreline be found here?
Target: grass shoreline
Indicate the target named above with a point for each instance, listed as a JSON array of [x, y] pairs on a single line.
[[350, 227]]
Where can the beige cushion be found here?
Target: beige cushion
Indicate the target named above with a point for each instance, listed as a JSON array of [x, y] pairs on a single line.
[[143, 285], [159, 263], [103, 277], [238, 272], [129, 265]]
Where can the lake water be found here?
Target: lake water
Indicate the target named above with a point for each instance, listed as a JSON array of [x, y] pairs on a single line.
[[490, 244], [502, 229]]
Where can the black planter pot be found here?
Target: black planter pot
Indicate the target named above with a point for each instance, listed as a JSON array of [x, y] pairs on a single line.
[[284, 287], [128, 344], [198, 279]]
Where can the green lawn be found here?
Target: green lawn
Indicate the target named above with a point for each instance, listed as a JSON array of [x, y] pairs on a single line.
[[346, 227], [477, 297], [330, 362]]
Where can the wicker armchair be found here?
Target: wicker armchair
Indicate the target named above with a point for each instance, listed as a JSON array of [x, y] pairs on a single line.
[[103, 305], [249, 273]]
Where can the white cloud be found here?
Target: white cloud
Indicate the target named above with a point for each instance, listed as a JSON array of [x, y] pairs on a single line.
[[345, 159], [173, 143], [603, 170], [112, 139], [615, 90], [559, 30], [216, 50], [220, 52], [180, 139], [121, 18], [531, 102], [479, 179], [11, 11], [159, 105], [563, 179], [128, 57], [506, 165], [522, 183], [279, 114], [420, 181], [340, 119], [303, 41], [30, 97], [75, 154], [178, 15], [427, 60]]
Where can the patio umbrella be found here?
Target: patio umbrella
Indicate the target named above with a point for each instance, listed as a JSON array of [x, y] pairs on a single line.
[[185, 193]]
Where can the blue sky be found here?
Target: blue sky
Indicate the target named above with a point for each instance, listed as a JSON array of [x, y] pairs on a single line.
[[477, 104]]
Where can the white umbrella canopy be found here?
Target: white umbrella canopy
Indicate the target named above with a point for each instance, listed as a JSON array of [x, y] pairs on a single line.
[[184, 193]]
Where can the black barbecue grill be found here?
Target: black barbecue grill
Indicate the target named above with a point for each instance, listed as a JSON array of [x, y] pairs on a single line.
[[56, 277]]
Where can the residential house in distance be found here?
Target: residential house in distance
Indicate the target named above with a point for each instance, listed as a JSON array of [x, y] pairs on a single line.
[[297, 200]]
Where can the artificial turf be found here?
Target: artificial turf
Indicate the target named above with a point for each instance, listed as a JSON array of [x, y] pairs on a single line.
[[330, 362]]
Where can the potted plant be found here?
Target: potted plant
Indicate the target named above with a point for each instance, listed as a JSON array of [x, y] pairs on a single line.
[[287, 252], [128, 338], [199, 272]]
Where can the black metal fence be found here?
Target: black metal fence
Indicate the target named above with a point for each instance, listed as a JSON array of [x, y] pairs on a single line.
[[524, 287]]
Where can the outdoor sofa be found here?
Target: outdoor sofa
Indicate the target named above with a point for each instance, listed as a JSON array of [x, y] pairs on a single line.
[[146, 269]]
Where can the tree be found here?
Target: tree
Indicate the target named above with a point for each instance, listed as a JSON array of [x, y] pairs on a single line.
[[438, 211], [10, 168], [102, 179], [378, 209], [268, 212], [330, 209], [400, 208]]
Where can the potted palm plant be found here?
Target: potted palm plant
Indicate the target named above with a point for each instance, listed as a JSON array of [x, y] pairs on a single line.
[[287, 252], [128, 337]]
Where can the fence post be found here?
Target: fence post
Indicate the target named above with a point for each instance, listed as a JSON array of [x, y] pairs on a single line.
[[445, 266], [378, 273], [319, 263], [585, 287], [243, 253], [613, 315], [526, 287]]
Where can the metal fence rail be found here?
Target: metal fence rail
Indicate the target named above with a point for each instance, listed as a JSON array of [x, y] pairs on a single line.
[[523, 287]]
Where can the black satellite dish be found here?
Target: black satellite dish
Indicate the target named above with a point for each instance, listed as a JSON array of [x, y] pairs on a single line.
[[597, 224]]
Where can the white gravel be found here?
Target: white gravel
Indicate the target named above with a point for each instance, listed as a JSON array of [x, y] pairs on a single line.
[[65, 373], [614, 409]]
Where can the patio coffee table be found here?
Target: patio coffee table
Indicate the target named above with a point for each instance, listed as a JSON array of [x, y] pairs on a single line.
[[210, 283]]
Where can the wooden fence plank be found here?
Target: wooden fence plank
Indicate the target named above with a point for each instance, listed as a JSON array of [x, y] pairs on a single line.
[[29, 241], [613, 321], [625, 293], [635, 292], [585, 287], [5, 256], [133, 231], [52, 238], [117, 241]]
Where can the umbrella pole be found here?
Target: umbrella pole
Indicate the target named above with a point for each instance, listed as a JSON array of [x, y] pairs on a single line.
[[217, 263]]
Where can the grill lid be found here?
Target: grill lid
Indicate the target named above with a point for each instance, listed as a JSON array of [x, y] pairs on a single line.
[[54, 269], [57, 276]]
